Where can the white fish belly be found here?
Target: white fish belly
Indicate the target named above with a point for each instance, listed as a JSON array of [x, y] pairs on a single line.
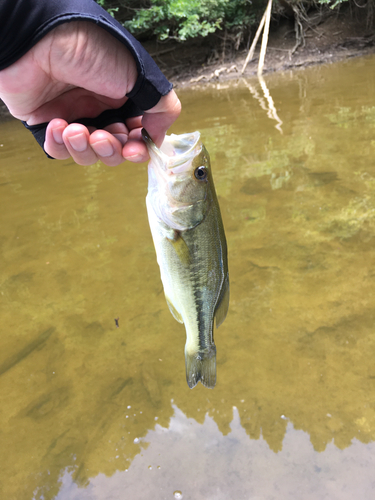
[[180, 284]]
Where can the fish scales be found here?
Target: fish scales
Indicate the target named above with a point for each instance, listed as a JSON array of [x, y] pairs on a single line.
[[190, 245]]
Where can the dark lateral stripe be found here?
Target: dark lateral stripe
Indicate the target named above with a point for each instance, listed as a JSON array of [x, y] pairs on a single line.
[[202, 320]]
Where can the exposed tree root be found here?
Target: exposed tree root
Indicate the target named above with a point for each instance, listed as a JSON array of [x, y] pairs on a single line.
[[299, 16]]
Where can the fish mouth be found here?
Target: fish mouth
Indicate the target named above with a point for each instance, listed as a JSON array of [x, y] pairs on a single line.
[[176, 150], [146, 137]]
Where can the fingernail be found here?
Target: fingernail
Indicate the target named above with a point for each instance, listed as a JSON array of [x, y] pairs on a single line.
[[135, 158], [103, 148], [78, 142], [57, 135], [123, 138]]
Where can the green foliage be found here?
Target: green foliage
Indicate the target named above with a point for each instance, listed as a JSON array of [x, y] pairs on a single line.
[[183, 19], [105, 4]]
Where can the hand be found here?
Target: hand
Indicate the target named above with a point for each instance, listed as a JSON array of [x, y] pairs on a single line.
[[77, 71]]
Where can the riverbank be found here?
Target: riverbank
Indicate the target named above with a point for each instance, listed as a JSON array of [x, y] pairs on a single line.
[[327, 37]]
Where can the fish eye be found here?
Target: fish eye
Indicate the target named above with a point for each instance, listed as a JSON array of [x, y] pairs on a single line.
[[200, 173]]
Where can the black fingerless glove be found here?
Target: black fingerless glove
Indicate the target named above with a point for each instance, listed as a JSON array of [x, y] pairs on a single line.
[[25, 22], [128, 110]]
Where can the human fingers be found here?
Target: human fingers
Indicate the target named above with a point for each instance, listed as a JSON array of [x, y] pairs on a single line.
[[54, 143], [74, 140], [158, 119], [120, 131], [108, 147], [134, 149], [64, 141]]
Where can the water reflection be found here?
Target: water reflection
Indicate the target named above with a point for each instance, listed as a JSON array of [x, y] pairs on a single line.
[[265, 101], [202, 463], [81, 398]]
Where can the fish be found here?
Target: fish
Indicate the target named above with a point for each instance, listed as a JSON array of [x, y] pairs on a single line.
[[190, 244]]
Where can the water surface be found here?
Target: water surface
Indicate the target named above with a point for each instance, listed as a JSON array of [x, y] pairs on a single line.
[[94, 411]]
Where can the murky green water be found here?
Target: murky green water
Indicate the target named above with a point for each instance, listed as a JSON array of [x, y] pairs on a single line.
[[92, 411]]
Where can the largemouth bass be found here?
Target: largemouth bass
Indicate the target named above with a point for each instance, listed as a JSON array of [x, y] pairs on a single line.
[[190, 244]]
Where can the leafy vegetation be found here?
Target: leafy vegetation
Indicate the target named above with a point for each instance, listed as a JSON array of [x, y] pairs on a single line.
[[183, 19]]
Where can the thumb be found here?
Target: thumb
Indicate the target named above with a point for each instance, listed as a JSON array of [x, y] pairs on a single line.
[[158, 119]]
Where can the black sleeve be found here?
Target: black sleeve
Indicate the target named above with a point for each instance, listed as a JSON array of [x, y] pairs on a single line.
[[24, 22]]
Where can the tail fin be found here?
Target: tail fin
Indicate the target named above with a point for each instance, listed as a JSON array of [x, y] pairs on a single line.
[[201, 366]]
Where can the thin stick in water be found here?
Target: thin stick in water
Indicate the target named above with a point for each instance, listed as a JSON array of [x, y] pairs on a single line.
[[265, 37], [255, 41]]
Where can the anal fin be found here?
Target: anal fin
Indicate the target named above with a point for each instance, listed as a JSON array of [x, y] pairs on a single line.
[[223, 303], [177, 316]]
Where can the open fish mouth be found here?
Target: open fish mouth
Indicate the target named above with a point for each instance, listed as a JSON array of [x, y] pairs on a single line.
[[175, 151]]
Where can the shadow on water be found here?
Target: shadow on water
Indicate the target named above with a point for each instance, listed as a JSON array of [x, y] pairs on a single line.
[[92, 410]]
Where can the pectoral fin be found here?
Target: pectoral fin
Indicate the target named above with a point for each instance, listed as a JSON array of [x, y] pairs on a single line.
[[223, 303], [181, 248], [177, 316]]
